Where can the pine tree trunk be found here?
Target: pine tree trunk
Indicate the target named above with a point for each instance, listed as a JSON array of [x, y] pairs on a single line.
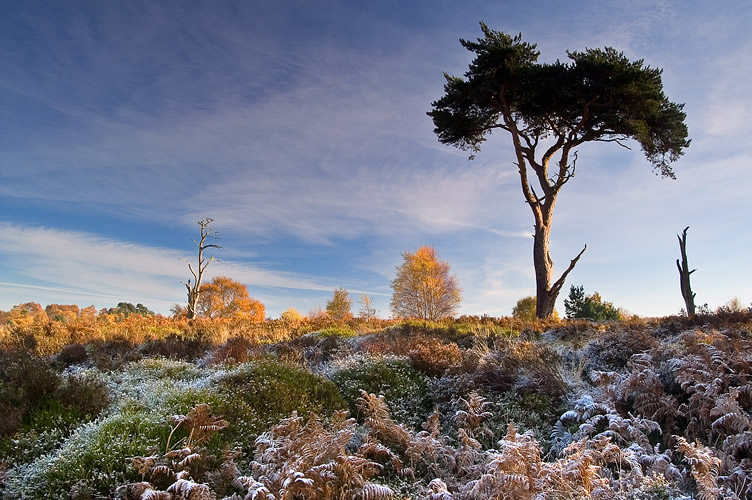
[[546, 292], [544, 272]]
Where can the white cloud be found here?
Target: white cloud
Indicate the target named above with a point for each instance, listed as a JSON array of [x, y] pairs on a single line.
[[69, 263]]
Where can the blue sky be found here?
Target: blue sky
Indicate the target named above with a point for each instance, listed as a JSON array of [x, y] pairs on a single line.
[[300, 128]]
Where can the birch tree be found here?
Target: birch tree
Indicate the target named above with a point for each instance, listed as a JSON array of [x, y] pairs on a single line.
[[423, 287]]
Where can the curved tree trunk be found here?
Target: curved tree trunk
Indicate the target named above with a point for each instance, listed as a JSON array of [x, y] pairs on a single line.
[[544, 272], [543, 207], [546, 292]]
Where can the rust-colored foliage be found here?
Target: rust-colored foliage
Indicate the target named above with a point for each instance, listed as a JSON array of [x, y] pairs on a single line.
[[224, 297]]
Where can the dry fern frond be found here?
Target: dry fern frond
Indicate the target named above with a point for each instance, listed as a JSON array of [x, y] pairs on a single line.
[[254, 490], [736, 423], [374, 491], [584, 408], [373, 450], [739, 446], [310, 461], [143, 465], [199, 423], [161, 470], [603, 378], [472, 417], [180, 453], [145, 491], [432, 425], [438, 487], [467, 441], [188, 459], [156, 495], [373, 405], [340, 420], [704, 466], [660, 464], [379, 421], [185, 489]]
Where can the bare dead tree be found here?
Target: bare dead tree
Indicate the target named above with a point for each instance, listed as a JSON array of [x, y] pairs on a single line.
[[684, 272], [194, 289]]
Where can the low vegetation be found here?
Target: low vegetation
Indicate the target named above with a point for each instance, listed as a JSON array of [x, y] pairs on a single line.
[[144, 407]]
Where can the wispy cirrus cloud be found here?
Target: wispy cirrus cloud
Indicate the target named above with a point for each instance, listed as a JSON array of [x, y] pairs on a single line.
[[71, 263]]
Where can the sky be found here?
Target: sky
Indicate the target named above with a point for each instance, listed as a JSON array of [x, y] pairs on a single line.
[[300, 128]]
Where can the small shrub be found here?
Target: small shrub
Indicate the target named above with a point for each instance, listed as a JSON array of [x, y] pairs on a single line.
[[72, 354], [269, 391], [525, 309], [93, 457], [26, 383], [112, 354], [176, 347], [521, 366], [290, 354], [32, 442], [85, 391], [591, 307], [162, 369], [235, 350], [433, 357], [427, 353], [403, 387], [39, 428], [612, 349]]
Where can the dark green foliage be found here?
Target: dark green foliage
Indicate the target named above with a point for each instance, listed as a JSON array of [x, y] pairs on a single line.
[[94, 457], [41, 407], [266, 391], [528, 412], [577, 305], [125, 309], [598, 95], [405, 389]]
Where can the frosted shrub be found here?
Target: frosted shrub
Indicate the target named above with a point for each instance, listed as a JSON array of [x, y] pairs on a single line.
[[94, 455], [404, 388]]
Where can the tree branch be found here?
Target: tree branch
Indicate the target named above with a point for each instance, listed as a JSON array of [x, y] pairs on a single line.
[[556, 287]]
